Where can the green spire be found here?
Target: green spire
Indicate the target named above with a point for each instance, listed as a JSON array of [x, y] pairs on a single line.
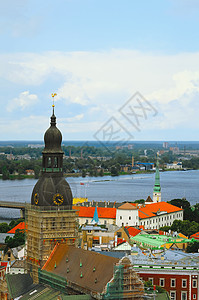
[[157, 187]]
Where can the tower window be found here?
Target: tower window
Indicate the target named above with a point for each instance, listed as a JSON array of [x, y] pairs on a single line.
[[55, 162], [49, 162]]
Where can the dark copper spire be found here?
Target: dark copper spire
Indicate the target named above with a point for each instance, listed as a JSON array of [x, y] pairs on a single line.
[[52, 188]]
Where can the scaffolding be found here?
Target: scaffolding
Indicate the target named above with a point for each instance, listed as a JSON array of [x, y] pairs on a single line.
[[125, 284], [45, 226]]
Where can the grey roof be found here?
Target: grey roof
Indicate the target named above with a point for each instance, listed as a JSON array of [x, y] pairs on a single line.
[[113, 253], [3, 237], [168, 258], [18, 284], [16, 250], [91, 227]]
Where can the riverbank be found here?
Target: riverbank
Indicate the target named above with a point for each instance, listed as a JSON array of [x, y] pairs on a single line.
[[76, 175]]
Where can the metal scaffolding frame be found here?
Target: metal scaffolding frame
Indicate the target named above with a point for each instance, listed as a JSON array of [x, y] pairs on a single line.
[[125, 284], [45, 226]]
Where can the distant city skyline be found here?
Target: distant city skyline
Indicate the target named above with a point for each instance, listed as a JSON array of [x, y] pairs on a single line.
[[96, 55]]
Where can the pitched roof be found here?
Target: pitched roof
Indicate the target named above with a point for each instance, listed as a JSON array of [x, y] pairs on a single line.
[[151, 210], [103, 212], [132, 230], [18, 284], [77, 261], [18, 264], [20, 226], [195, 236], [127, 206]]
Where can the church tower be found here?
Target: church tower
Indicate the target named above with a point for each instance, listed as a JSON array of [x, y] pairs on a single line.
[[157, 188], [49, 217]]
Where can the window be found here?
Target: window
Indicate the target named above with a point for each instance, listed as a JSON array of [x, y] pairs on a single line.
[[173, 295], [120, 217], [104, 222], [194, 283], [194, 296], [129, 217], [184, 283], [162, 282], [183, 295], [119, 234], [173, 282]]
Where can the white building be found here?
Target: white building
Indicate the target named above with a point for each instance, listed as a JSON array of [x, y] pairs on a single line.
[[127, 215], [150, 216]]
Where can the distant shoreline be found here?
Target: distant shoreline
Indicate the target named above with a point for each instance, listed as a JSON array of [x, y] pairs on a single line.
[[23, 176]]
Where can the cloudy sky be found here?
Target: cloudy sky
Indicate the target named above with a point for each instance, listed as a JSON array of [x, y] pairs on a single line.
[[96, 55]]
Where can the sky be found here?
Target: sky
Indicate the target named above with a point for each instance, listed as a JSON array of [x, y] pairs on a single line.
[[125, 70]]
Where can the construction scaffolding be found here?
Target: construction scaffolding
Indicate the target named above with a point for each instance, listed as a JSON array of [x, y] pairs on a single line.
[[125, 284], [45, 226]]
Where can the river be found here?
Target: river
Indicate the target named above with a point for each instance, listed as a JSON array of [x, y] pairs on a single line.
[[174, 184]]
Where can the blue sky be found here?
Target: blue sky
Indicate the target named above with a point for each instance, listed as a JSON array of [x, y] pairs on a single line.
[[95, 55]]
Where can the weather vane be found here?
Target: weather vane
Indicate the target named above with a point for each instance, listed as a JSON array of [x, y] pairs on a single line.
[[53, 95]]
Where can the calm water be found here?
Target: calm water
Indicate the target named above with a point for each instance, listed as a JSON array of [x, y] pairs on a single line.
[[176, 184]]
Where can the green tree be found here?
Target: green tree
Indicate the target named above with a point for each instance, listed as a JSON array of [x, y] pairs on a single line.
[[17, 240], [5, 173], [4, 227], [114, 171], [37, 171], [193, 247], [83, 173]]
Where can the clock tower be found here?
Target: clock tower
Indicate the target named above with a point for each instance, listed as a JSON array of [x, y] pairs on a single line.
[[52, 189], [49, 217]]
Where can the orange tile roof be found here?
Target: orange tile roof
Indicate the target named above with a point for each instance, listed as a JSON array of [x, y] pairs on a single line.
[[127, 206], [195, 236], [150, 210], [132, 230], [20, 226], [103, 212]]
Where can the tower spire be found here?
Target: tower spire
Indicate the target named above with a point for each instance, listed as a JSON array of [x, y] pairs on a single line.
[[95, 219], [53, 118], [157, 188]]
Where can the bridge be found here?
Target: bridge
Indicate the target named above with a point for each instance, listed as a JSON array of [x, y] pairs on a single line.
[[14, 205]]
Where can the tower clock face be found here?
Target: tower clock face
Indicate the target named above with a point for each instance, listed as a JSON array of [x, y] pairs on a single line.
[[58, 199], [36, 198]]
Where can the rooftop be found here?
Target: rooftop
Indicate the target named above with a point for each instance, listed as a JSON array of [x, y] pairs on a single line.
[[103, 212], [20, 226], [81, 267], [151, 210], [128, 206]]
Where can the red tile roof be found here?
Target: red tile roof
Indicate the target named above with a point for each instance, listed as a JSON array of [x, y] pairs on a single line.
[[150, 210], [127, 206], [195, 236], [132, 230], [103, 212], [20, 226]]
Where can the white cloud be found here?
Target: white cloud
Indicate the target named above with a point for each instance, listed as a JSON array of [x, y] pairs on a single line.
[[101, 82], [24, 100], [75, 118]]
